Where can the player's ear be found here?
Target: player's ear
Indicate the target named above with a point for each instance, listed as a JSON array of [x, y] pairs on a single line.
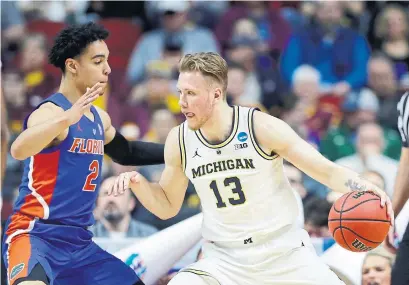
[[218, 94], [71, 65]]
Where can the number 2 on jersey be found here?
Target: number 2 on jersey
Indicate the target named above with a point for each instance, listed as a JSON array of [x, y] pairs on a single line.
[[236, 190], [94, 168]]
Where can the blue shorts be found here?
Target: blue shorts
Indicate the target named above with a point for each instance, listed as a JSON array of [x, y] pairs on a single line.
[[75, 259]]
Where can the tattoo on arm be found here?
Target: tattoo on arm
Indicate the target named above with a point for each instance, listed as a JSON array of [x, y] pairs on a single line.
[[355, 186]]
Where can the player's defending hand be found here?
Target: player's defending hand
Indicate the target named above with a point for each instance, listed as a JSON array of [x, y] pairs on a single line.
[[125, 181], [83, 104]]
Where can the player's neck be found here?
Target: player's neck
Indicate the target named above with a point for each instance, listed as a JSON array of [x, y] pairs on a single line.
[[69, 90], [219, 125]]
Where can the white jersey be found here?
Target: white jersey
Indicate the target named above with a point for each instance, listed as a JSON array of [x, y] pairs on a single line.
[[243, 190]]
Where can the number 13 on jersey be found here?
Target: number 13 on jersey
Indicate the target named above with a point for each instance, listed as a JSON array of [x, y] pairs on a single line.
[[236, 189]]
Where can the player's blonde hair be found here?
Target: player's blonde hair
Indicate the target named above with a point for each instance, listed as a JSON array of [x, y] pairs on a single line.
[[209, 64]]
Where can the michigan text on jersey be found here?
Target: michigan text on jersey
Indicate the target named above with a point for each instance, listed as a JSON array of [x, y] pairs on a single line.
[[224, 165]]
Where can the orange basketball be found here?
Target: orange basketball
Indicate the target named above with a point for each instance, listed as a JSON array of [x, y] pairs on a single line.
[[358, 222]]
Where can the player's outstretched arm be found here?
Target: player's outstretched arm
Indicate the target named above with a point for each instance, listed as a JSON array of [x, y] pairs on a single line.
[[275, 135], [127, 152], [48, 122], [163, 199]]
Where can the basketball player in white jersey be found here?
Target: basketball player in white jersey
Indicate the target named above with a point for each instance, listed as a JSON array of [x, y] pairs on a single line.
[[234, 157]]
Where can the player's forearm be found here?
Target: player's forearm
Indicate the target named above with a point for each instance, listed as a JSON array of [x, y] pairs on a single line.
[[401, 192], [36, 138], [154, 199], [343, 180]]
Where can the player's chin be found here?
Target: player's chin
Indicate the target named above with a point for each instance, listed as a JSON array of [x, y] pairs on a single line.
[[193, 125]]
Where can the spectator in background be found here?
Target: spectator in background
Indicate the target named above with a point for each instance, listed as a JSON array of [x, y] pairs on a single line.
[[377, 267], [55, 11], [370, 144], [236, 83], [271, 28], [392, 32], [316, 115], [12, 30], [357, 16], [383, 81], [316, 217], [358, 109], [114, 215], [157, 90], [174, 23], [339, 54], [39, 83], [162, 122], [262, 81], [15, 98]]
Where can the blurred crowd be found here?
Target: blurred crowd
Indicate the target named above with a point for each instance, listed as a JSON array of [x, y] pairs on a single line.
[[334, 71]]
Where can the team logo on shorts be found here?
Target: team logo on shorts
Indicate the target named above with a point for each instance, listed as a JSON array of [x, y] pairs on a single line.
[[16, 270], [136, 263], [242, 136]]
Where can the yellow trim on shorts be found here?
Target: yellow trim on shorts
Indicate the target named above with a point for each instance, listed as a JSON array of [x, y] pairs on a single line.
[[229, 139], [200, 273], [259, 150], [182, 146]]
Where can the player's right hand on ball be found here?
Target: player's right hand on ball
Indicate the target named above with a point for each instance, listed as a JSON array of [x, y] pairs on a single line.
[[83, 104]]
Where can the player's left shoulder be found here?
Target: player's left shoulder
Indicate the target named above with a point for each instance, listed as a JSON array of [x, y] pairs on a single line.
[[265, 122], [105, 118], [271, 132]]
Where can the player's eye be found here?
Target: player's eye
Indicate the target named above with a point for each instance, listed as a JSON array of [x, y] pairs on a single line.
[[98, 62], [190, 93]]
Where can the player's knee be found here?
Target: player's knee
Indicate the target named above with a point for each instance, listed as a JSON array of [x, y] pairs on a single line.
[[187, 278], [30, 283]]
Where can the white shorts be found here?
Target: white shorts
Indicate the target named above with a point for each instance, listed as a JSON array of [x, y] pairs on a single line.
[[287, 260]]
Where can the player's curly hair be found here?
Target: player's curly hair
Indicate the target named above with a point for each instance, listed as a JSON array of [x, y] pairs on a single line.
[[72, 41]]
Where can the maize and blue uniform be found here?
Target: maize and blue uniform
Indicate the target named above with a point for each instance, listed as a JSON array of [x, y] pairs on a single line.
[[54, 208]]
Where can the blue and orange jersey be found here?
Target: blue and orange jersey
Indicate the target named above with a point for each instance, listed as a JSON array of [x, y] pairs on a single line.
[[60, 184]]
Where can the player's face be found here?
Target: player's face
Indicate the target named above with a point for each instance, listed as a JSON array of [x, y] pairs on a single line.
[[197, 98], [376, 271], [93, 66]]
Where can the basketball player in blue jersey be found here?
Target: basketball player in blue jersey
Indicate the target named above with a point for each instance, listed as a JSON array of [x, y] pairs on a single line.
[[234, 157], [64, 139]]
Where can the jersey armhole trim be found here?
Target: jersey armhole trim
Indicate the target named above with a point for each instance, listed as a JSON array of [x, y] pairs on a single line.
[[182, 146], [200, 273], [257, 147]]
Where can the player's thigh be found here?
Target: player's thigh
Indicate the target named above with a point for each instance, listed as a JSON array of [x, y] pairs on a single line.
[[23, 263], [400, 271], [97, 267], [303, 266], [189, 278]]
